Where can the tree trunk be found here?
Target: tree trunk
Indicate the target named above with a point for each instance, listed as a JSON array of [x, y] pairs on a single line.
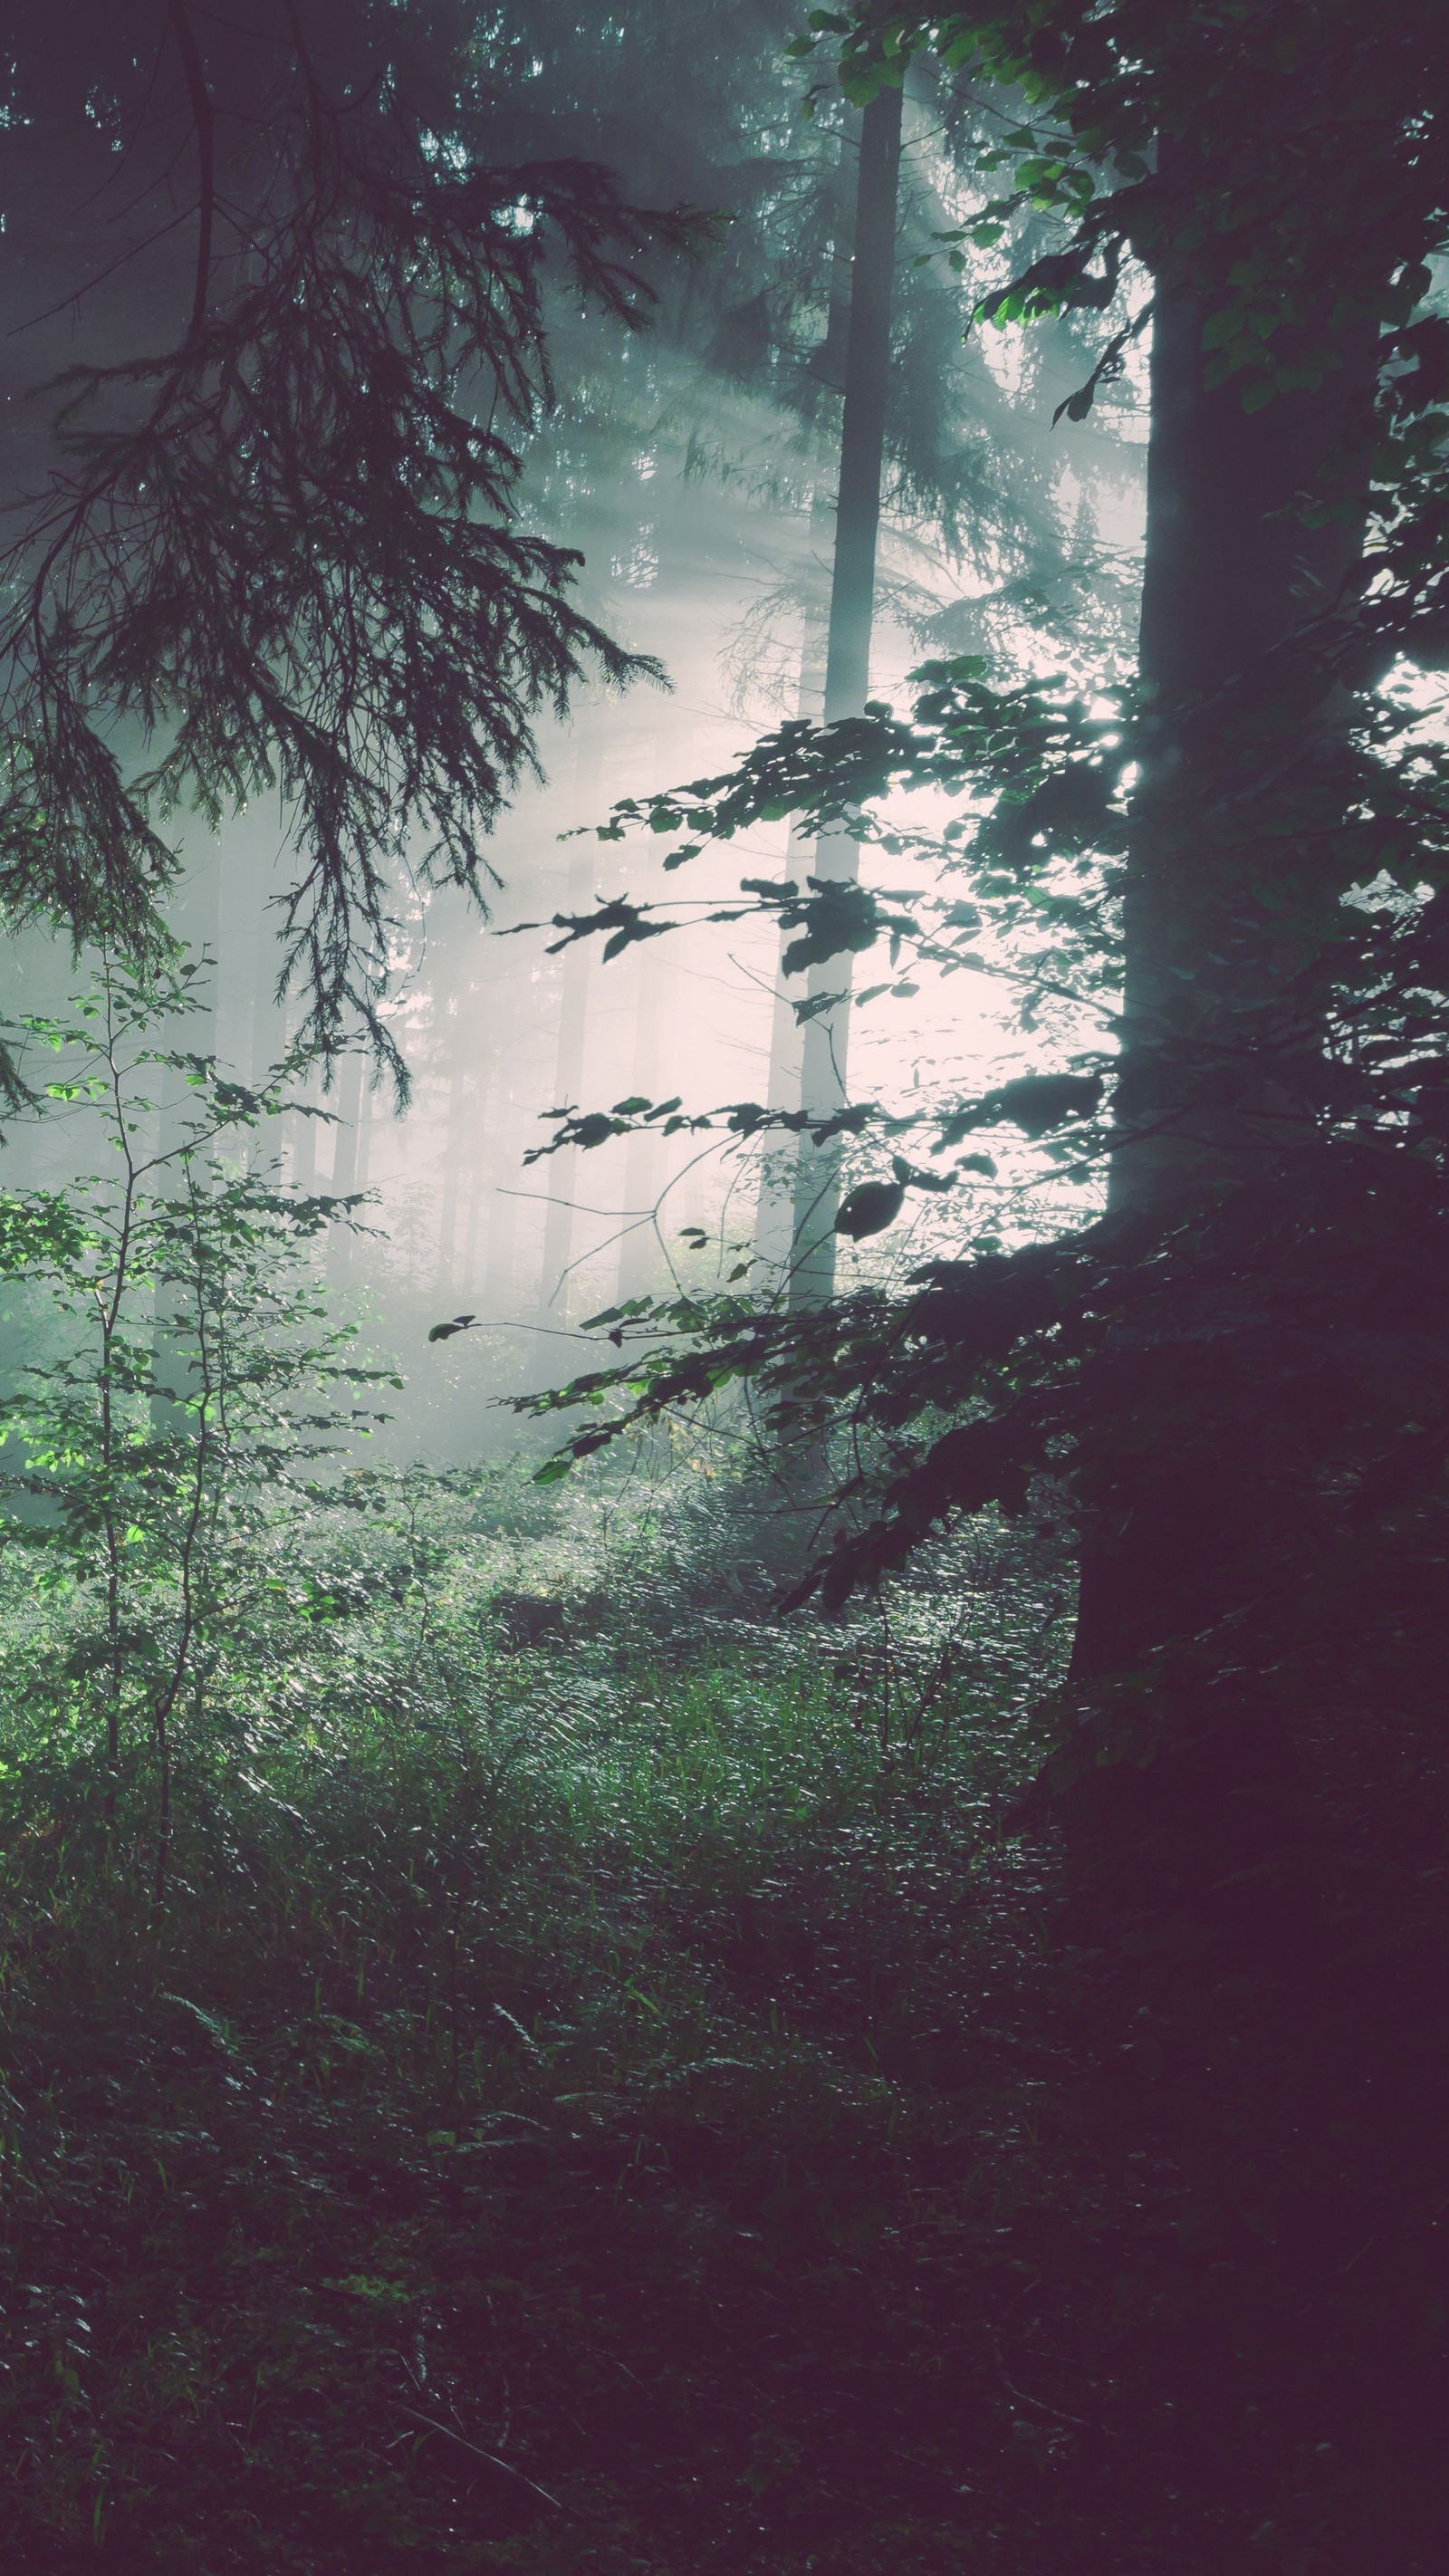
[[1221, 909], [847, 666], [344, 1165], [774, 1214], [1222, 914], [555, 1283], [641, 1259], [504, 1176], [299, 1131], [563, 1169], [195, 917], [456, 1138]]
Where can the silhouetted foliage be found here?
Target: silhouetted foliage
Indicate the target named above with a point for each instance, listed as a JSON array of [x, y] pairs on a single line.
[[284, 553]]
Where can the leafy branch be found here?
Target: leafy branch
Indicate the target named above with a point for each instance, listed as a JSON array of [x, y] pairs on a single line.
[[286, 554]]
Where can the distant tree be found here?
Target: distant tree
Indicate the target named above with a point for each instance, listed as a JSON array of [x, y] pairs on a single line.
[[741, 387], [826, 1031]]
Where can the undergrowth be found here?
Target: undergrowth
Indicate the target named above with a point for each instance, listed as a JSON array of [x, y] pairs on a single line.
[[605, 2088], [580, 2050]]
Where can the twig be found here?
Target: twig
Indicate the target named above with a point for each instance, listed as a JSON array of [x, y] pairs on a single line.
[[430, 2425], [204, 118]]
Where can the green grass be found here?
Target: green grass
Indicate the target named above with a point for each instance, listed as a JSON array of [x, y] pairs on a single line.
[[541, 2126], [619, 2102]]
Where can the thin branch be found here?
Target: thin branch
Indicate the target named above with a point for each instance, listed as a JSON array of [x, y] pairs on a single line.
[[203, 116], [490, 2458]]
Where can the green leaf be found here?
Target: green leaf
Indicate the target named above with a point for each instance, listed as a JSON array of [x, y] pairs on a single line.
[[1222, 326], [870, 1208]]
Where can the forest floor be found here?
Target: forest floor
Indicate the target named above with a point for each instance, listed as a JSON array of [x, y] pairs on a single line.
[[602, 2091]]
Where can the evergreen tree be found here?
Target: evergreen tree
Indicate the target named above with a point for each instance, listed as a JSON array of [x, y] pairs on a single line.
[[277, 542]]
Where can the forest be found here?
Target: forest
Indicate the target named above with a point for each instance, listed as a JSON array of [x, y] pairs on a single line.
[[724, 1252]]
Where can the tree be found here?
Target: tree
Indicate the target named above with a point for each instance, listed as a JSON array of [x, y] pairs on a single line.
[[1192, 1369], [284, 550], [149, 1456], [1263, 378], [847, 663]]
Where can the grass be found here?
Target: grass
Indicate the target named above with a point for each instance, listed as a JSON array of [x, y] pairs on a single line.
[[519, 2139], [602, 2093]]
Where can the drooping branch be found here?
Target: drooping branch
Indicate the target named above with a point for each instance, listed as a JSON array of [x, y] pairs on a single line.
[[286, 553]]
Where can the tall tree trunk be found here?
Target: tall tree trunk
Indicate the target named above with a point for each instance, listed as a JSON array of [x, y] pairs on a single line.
[[268, 1017], [640, 1259], [555, 1284], [300, 1132], [365, 1112], [489, 1075], [511, 1102], [503, 1219], [1222, 914], [775, 1208], [344, 1164], [195, 917], [455, 1140], [847, 665]]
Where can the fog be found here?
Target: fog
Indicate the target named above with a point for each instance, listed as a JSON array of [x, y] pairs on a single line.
[[693, 467]]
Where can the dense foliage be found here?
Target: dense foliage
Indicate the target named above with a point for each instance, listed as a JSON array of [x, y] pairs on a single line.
[[500, 2147]]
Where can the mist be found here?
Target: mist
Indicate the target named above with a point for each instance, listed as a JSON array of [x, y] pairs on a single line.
[[724, 1199], [692, 465]]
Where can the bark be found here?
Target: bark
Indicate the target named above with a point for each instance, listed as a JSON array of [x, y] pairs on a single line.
[[477, 1182], [1224, 912], [300, 1132], [847, 664], [454, 1146], [254, 844]]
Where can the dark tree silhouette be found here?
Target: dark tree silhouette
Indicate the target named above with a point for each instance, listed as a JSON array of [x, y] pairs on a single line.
[[279, 548]]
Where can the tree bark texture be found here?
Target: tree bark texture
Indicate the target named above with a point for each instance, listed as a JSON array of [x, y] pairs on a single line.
[[847, 665], [1226, 914], [1222, 907]]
